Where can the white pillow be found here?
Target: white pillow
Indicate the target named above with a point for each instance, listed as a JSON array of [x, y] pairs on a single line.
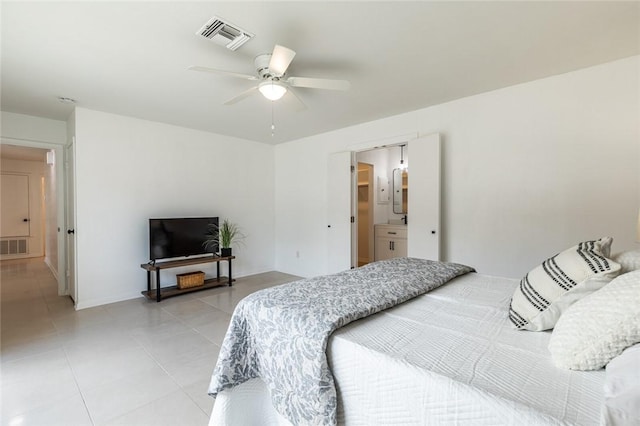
[[548, 290], [598, 328], [622, 389], [628, 260]]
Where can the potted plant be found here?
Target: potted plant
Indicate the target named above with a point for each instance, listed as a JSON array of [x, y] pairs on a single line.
[[224, 235]]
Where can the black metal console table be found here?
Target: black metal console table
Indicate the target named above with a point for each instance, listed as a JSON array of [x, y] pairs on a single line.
[[160, 293]]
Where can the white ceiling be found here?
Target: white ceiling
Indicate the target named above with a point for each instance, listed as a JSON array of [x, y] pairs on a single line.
[[131, 58]]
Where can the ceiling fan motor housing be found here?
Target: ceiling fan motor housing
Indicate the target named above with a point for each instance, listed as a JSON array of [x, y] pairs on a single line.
[[261, 63]]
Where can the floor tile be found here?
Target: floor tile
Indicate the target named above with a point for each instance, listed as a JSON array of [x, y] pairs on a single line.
[[210, 315], [74, 320], [150, 335], [180, 347], [35, 367], [98, 339], [116, 398], [198, 392], [174, 409], [33, 390], [19, 347], [70, 411], [187, 308], [104, 368], [224, 302], [215, 330], [187, 371], [27, 329]]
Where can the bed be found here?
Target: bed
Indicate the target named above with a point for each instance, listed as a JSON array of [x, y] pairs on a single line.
[[447, 356]]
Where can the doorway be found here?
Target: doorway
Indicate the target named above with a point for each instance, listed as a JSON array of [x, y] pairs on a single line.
[[23, 230], [40, 163], [423, 207], [365, 213], [372, 199]]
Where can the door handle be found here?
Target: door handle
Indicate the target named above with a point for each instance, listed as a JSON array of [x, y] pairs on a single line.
[[71, 231], [25, 220]]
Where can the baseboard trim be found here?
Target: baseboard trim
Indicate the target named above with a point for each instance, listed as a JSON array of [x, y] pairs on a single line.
[[54, 272]]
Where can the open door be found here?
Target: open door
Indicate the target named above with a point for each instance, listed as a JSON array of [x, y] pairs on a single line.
[[340, 227], [70, 221], [423, 228]]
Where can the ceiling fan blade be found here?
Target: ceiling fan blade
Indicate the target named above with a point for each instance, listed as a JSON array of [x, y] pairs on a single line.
[[299, 105], [241, 96], [222, 72], [280, 60], [318, 83]]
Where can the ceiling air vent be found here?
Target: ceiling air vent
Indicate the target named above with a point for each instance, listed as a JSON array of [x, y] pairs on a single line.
[[224, 33]]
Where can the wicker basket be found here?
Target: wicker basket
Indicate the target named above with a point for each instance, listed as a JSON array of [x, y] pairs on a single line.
[[190, 279]]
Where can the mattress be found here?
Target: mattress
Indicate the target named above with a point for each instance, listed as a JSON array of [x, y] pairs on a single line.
[[447, 357]]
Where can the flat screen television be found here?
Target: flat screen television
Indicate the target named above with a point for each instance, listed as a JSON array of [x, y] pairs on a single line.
[[179, 237]]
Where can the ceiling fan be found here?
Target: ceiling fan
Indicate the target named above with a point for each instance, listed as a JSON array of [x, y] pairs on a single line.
[[273, 82]]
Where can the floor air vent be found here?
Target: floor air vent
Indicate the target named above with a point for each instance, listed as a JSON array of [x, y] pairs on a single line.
[[14, 246], [224, 33]]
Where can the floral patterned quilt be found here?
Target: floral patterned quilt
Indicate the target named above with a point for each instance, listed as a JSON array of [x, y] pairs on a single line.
[[280, 334]]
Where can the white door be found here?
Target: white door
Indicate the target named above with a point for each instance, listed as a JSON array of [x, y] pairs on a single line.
[[339, 202], [70, 210], [14, 212], [423, 229]]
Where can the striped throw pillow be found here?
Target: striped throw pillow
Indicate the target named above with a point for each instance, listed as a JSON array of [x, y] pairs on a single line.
[[549, 289]]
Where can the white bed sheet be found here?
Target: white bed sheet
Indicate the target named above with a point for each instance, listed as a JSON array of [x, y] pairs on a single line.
[[447, 357]]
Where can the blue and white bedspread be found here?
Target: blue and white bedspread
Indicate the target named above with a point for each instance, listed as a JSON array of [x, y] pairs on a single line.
[[280, 334]]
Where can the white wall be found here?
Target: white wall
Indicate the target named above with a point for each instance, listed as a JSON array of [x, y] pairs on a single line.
[[527, 171], [379, 158], [128, 170], [29, 128]]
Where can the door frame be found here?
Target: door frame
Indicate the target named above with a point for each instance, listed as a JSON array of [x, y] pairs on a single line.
[[71, 273], [336, 242], [415, 248], [60, 200], [368, 146]]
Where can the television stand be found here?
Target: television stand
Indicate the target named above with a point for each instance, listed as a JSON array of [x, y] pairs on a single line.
[[160, 292]]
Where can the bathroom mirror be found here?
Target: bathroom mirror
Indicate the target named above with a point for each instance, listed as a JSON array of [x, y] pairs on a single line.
[[400, 186]]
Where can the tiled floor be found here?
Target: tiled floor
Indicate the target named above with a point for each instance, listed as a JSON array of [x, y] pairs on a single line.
[[129, 363]]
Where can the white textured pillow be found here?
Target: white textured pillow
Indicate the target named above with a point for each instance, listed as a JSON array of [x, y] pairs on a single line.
[[599, 327], [548, 290], [628, 260]]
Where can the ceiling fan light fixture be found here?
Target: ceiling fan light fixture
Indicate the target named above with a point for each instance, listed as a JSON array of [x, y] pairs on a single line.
[[272, 90]]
